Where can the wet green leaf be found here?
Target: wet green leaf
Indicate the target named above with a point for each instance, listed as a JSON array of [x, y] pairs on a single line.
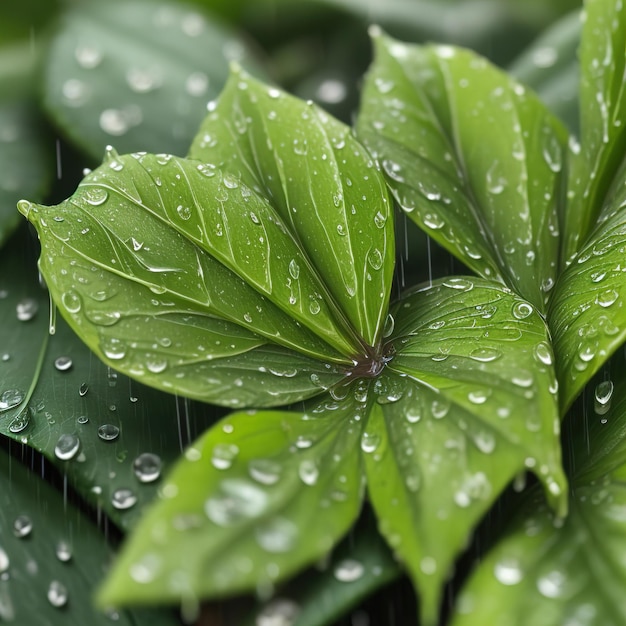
[[600, 154], [322, 183], [587, 314], [549, 66], [571, 573], [52, 557], [96, 426], [235, 513], [137, 73], [139, 261], [492, 199], [475, 406], [360, 565]]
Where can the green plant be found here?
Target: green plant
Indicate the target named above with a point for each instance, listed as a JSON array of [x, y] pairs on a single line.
[[257, 274]]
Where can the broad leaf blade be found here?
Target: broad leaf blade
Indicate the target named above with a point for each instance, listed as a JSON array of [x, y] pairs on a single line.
[[542, 573], [236, 511], [138, 73], [490, 199], [148, 287], [474, 406], [52, 557], [323, 184], [603, 119]]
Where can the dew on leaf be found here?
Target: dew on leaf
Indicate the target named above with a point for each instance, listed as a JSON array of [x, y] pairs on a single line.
[[22, 526], [67, 446], [4, 561], [26, 309], [348, 570], [370, 442], [197, 84], [607, 298], [439, 408], [20, 422], [508, 572], [308, 472], [123, 499], [63, 363], [224, 455], [87, 56], [277, 535], [265, 471], [278, 612], [602, 397], [57, 594], [108, 432], [75, 92], [375, 258], [147, 467], [543, 353], [10, 398], [461, 284], [380, 220], [294, 269], [142, 80], [485, 355], [521, 310], [236, 501], [63, 551], [551, 585]]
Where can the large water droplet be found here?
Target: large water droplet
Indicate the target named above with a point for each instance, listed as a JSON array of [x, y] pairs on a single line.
[[108, 432], [10, 398], [265, 471], [370, 442], [602, 397], [26, 309], [277, 535], [236, 501], [147, 467], [223, 455], [521, 310], [308, 472], [63, 550], [508, 572], [22, 526], [63, 363], [67, 447]]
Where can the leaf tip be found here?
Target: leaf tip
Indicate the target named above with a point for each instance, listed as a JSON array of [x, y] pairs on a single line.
[[25, 207]]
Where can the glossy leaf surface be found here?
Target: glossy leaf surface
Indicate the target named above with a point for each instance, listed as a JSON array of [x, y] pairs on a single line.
[[489, 198], [138, 261], [52, 557], [571, 573], [236, 512], [603, 119], [322, 183], [588, 316], [476, 405], [111, 437], [137, 73]]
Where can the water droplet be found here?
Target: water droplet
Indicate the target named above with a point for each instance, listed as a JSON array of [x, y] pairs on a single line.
[[20, 422], [545, 57], [380, 220], [108, 432], [308, 472], [370, 442], [375, 258], [314, 306], [83, 389], [552, 153], [496, 181], [277, 535], [95, 195], [10, 399], [294, 269], [428, 565], [607, 298], [143, 80], [123, 499], [508, 571], [236, 501], [57, 594], [461, 284], [265, 471], [147, 467], [279, 612], [184, 212], [63, 551], [22, 526], [543, 352], [26, 309], [485, 355], [478, 396], [63, 363], [551, 585], [67, 447], [4, 561], [521, 310], [87, 56], [223, 455], [602, 397], [439, 408], [197, 84], [348, 570]]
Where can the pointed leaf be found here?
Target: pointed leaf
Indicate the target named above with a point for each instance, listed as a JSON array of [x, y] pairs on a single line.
[[474, 406], [236, 511], [321, 181], [587, 314], [571, 573], [489, 198], [138, 73], [52, 557], [145, 248], [603, 119]]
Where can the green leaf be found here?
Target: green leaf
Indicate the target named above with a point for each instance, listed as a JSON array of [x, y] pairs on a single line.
[[571, 573], [475, 405], [91, 423], [360, 565], [136, 72], [52, 557], [587, 314], [105, 264], [235, 513], [322, 183], [603, 119], [549, 66], [492, 199]]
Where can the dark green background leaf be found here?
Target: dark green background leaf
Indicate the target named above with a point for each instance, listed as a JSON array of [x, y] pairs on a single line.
[[323, 184], [489, 198], [236, 513], [48, 572], [136, 73]]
